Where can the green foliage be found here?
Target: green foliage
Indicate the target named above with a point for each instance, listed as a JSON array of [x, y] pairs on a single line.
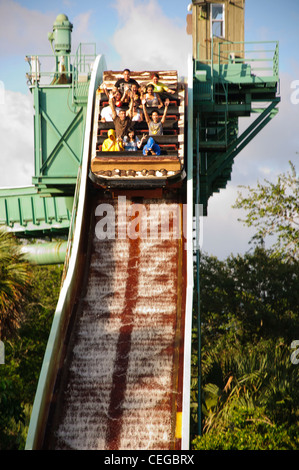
[[249, 430], [15, 280], [11, 411], [249, 317], [24, 354], [273, 210]]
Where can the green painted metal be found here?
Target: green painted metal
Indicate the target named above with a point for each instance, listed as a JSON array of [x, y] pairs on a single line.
[[59, 129], [26, 213], [197, 290], [61, 36], [240, 142], [232, 86], [59, 84], [62, 29], [259, 64], [82, 67], [45, 253]]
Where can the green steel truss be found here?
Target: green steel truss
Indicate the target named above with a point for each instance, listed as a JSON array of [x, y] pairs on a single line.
[[27, 214], [58, 136], [60, 103], [225, 90]]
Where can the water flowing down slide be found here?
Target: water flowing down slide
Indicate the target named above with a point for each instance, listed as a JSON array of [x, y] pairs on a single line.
[[120, 386]]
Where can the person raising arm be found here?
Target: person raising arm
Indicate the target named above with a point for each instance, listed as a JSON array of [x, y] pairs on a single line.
[[155, 124], [122, 121]]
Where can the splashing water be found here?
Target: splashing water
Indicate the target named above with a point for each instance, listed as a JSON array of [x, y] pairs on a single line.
[[120, 387]]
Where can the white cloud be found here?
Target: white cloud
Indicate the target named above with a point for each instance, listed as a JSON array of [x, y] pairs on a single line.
[[148, 40], [81, 30], [277, 142], [17, 140], [223, 234]]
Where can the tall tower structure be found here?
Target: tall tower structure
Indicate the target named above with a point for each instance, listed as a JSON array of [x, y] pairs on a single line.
[[231, 79], [61, 36], [59, 83], [60, 99]]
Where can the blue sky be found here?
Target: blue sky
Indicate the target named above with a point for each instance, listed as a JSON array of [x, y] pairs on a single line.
[[24, 26], [97, 21], [148, 34]]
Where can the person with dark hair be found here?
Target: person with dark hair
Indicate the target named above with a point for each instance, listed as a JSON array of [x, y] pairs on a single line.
[[123, 84], [122, 120], [160, 87], [132, 94], [155, 124], [152, 99], [132, 142], [117, 98]]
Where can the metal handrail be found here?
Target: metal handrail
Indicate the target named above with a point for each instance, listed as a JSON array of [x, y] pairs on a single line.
[[72, 226], [270, 55], [225, 56], [81, 65], [78, 63]]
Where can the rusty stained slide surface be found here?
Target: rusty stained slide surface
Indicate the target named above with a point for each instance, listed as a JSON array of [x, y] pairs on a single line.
[[121, 379]]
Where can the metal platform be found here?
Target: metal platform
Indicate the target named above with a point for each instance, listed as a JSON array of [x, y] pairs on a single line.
[[27, 214]]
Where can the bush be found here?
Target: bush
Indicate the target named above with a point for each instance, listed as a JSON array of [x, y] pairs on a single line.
[[249, 431]]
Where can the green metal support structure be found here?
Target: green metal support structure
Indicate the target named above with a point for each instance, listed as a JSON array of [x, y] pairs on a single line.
[[60, 95], [221, 91], [24, 212], [226, 90], [197, 215]]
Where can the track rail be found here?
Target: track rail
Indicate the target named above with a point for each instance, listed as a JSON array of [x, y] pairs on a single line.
[[119, 386], [115, 368]]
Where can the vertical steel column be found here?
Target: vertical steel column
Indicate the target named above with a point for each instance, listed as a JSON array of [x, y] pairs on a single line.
[[185, 442], [37, 131]]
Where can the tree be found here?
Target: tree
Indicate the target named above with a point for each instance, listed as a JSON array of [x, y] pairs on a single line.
[[15, 279], [248, 297], [249, 318], [24, 355], [273, 210], [250, 401]]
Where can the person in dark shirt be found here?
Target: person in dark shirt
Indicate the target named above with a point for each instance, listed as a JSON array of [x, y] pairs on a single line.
[[123, 84], [122, 121]]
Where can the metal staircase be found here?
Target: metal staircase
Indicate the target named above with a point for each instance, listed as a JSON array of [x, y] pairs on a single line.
[[224, 91]]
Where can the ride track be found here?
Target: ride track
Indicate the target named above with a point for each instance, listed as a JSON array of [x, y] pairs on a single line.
[[116, 372]]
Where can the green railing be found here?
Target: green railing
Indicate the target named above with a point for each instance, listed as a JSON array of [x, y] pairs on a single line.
[[72, 226], [235, 62], [263, 57], [82, 71], [75, 71]]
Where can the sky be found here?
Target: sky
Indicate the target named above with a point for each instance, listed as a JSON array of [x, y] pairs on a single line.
[[140, 35]]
